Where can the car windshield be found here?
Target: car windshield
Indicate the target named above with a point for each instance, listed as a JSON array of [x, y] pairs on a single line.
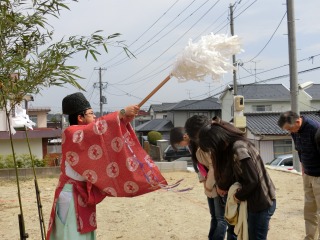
[[276, 161]]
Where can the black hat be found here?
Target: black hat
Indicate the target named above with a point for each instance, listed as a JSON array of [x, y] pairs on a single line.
[[75, 103]]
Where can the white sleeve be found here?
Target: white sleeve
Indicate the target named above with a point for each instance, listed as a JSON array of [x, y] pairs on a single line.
[[73, 174]]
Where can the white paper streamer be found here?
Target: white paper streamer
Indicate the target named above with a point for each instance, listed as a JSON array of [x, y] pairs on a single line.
[[21, 119], [208, 57]]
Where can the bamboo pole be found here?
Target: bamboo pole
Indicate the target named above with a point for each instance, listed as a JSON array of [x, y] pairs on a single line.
[[154, 90], [23, 234], [39, 204]]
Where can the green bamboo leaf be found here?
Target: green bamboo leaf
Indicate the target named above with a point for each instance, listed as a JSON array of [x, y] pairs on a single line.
[[26, 32]]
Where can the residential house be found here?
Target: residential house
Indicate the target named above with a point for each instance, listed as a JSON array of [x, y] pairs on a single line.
[[39, 116], [159, 111], [268, 137], [175, 115], [314, 93], [263, 104], [42, 140], [262, 98], [181, 111], [160, 125], [142, 117]]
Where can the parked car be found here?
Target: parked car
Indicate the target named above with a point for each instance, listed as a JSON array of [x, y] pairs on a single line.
[[171, 154], [282, 161]]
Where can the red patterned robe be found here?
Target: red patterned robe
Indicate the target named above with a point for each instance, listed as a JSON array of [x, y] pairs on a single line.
[[109, 156]]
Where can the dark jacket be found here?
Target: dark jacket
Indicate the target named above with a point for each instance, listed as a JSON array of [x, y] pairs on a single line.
[[306, 146], [249, 170]]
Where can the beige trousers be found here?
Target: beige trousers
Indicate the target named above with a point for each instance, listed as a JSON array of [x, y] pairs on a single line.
[[311, 187]]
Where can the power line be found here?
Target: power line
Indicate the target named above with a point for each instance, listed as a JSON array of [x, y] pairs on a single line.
[[272, 35], [144, 31], [142, 69], [101, 85], [245, 76], [157, 40], [176, 42], [285, 65], [254, 83]]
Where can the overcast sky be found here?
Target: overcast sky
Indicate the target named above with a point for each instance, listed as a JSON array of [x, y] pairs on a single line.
[[157, 31]]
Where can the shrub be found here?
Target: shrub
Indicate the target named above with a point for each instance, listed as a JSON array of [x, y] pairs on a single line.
[[153, 136], [3, 163], [6, 161], [23, 161]]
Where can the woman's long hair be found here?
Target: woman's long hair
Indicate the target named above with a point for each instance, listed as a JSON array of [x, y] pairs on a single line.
[[193, 146], [218, 139]]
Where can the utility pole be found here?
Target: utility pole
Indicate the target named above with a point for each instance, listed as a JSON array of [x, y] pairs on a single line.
[[294, 91], [239, 120], [101, 86], [189, 93], [255, 70], [235, 87]]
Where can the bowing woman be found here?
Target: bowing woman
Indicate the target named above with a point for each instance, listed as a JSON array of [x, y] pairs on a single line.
[[235, 159]]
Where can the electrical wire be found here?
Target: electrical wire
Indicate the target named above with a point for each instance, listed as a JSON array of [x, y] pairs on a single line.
[[195, 38], [156, 41], [259, 53], [142, 69], [272, 35], [141, 35], [285, 65], [245, 9], [261, 81]]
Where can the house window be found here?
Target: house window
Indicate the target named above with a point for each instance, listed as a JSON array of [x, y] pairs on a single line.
[[261, 108], [198, 113], [164, 116], [282, 147], [34, 118]]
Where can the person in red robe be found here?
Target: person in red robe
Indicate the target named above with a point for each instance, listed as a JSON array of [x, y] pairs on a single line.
[[100, 157]]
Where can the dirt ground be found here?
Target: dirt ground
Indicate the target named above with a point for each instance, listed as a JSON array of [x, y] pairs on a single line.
[[159, 215]]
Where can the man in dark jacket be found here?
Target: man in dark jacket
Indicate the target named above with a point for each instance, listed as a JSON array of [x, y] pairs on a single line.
[[317, 138], [305, 134]]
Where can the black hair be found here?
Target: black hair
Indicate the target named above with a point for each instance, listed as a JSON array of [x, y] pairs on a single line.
[[176, 136], [218, 139], [194, 124], [193, 146], [73, 118], [287, 117]]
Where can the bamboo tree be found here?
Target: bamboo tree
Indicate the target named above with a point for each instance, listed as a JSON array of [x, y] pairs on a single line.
[[30, 61]]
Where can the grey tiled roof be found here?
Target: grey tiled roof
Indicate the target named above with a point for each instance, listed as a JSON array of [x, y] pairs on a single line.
[[196, 105], [266, 123], [160, 125], [264, 91], [35, 133], [314, 91], [161, 107]]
